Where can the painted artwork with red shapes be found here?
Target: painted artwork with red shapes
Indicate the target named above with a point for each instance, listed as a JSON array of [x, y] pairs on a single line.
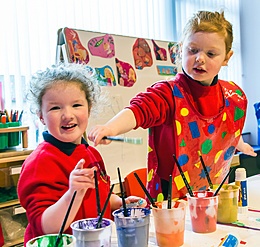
[[142, 54], [102, 46], [78, 53], [126, 74], [160, 53], [173, 49]]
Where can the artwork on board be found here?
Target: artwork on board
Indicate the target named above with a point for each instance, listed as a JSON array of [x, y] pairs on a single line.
[[173, 49], [160, 53], [102, 46], [142, 54], [126, 73], [78, 53], [166, 70], [106, 76]]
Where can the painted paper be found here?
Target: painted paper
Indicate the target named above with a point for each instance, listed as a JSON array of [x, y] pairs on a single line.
[[173, 49], [142, 54], [160, 53], [126, 74], [166, 70], [78, 53], [106, 76], [102, 46]]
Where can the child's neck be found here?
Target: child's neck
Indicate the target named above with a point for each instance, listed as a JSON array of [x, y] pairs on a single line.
[[214, 81]]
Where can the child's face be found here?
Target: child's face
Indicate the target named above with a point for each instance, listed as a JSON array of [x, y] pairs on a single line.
[[203, 54], [65, 112]]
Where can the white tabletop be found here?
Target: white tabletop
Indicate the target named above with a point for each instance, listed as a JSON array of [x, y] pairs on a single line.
[[249, 232]]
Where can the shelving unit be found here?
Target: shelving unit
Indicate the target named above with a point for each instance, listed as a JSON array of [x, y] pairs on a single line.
[[22, 129], [11, 160]]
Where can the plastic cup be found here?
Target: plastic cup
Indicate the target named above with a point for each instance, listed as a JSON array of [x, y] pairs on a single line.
[[88, 236], [133, 230], [14, 138], [203, 208], [50, 240], [227, 203], [3, 136], [169, 223]]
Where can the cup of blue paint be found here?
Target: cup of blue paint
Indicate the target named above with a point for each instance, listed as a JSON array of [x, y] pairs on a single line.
[[88, 236], [133, 230]]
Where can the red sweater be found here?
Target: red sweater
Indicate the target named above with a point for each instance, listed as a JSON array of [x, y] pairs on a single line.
[[45, 178]]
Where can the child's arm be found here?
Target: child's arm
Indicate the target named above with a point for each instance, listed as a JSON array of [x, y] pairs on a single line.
[[80, 180], [245, 148], [123, 122]]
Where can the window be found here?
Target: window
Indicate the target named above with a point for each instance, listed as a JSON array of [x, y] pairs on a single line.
[[29, 34]]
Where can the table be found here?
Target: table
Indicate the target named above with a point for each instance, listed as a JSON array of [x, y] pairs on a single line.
[[249, 233]]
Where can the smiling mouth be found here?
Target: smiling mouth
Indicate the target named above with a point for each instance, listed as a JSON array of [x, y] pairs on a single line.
[[69, 127], [199, 70]]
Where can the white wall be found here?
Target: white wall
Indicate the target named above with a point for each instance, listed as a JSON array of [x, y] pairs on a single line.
[[250, 50]]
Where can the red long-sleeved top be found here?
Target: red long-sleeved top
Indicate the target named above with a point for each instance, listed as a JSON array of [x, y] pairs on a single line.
[[45, 178]]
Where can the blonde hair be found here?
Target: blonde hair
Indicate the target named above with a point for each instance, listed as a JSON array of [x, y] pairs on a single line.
[[80, 74], [211, 22]]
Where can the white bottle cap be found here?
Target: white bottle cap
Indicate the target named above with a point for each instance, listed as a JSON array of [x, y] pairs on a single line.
[[240, 174]]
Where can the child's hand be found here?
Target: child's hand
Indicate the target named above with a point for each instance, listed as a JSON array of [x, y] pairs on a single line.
[[247, 149], [96, 134], [81, 178], [134, 199]]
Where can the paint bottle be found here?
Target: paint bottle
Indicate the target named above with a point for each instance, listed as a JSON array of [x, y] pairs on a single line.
[[240, 181], [230, 240]]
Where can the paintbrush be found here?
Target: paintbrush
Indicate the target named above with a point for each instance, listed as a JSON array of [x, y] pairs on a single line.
[[206, 171], [97, 194], [183, 176], [124, 139], [122, 192], [223, 181], [104, 208], [145, 191], [170, 193], [65, 220]]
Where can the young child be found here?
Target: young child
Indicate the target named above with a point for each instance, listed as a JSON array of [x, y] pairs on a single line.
[[64, 162], [194, 113]]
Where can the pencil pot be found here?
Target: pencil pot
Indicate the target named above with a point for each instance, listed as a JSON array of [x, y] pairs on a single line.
[[14, 138], [3, 136]]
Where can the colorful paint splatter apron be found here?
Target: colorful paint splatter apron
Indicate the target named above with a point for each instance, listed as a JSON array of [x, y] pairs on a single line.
[[215, 138]]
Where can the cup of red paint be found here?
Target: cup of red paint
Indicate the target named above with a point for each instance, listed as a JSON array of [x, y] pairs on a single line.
[[203, 207]]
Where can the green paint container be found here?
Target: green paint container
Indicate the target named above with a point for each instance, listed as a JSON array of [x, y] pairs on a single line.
[[3, 136], [14, 138], [50, 240]]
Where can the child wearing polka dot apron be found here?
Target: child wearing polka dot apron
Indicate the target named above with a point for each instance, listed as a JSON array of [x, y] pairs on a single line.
[[194, 113]]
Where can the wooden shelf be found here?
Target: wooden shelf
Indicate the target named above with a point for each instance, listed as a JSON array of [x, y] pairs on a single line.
[[23, 129], [9, 203], [14, 243], [16, 155]]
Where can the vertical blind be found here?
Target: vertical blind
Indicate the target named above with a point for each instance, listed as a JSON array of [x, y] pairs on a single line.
[[29, 34]]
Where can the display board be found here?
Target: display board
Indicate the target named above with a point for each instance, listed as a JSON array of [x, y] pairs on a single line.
[[125, 67]]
